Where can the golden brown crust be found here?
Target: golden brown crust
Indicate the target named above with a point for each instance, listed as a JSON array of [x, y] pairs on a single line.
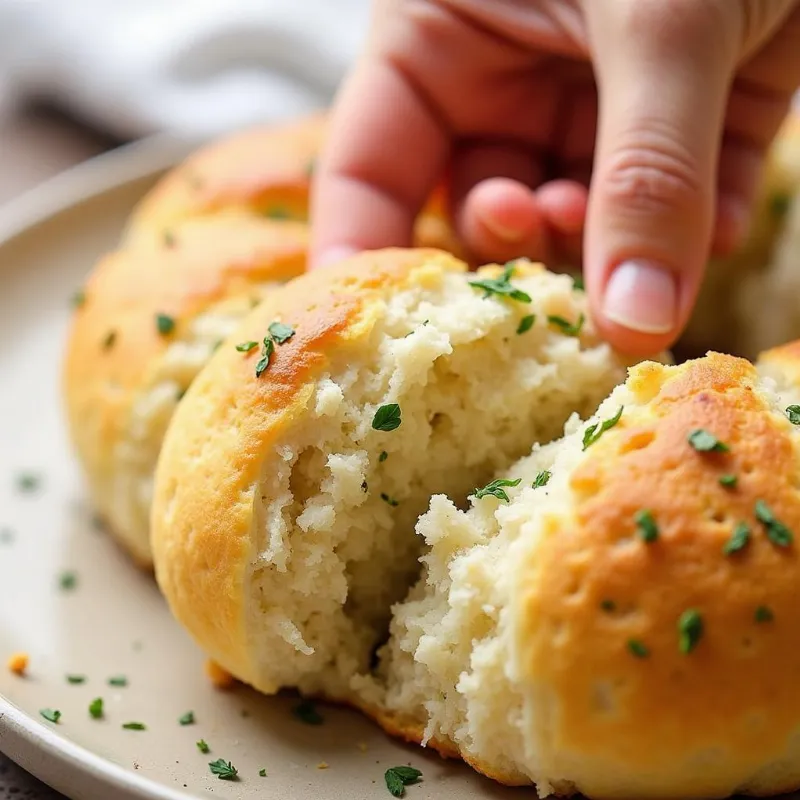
[[203, 507], [266, 170], [114, 342], [734, 697]]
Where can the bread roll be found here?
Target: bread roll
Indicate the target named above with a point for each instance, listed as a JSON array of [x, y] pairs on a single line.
[[200, 249], [283, 522]]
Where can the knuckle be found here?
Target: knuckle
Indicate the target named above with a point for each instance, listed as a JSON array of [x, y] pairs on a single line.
[[652, 180]]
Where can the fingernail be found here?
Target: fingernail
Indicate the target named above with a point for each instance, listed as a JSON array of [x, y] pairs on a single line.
[[642, 297], [330, 256], [503, 232]]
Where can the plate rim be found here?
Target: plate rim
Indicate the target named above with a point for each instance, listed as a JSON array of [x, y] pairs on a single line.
[[33, 746]]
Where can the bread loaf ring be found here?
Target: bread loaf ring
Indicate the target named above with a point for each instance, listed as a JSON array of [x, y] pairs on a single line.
[[209, 240], [616, 614]]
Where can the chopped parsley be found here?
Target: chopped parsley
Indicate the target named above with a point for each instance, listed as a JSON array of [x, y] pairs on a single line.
[[496, 489], [595, 431], [117, 680], [578, 284], [168, 237], [67, 581], [728, 481], [638, 648], [134, 726], [383, 456], [51, 715], [246, 347], [763, 614], [262, 773], [502, 286], [777, 532], [277, 212], [390, 500], [165, 324], [739, 539], [76, 680], [109, 340], [779, 204], [266, 354], [280, 333], [387, 418], [307, 712], [28, 482], [793, 412], [542, 479], [78, 299], [705, 442], [526, 323], [648, 529], [96, 708], [565, 326], [690, 630], [202, 746], [224, 770], [187, 718], [608, 605], [397, 778]]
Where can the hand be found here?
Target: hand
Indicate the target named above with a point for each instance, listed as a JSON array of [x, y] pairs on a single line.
[[668, 105]]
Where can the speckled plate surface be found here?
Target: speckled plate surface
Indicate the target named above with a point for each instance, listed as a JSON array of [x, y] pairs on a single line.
[[76, 606]]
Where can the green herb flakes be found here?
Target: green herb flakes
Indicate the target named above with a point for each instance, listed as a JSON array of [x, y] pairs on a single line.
[[202, 746], [578, 284], [168, 238], [595, 431], [690, 630], [646, 524], [96, 708], [246, 347], [740, 538], [134, 726], [277, 212], [165, 324], [109, 340], [280, 333], [565, 326], [78, 299], [608, 605], [526, 323], [224, 770], [397, 778], [502, 286], [705, 442], [266, 354], [793, 412], [390, 500], [496, 489], [779, 204], [67, 581], [187, 718], [118, 680], [28, 482], [387, 418], [728, 481], [307, 712], [638, 648], [777, 532], [76, 680], [51, 715], [383, 456], [542, 479], [262, 773], [763, 614]]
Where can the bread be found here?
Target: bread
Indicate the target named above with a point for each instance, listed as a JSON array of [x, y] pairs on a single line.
[[604, 627], [209, 240], [283, 522]]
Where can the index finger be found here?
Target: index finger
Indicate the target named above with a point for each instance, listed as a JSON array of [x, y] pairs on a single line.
[[384, 153]]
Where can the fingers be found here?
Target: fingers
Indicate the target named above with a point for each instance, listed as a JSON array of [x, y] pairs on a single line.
[[663, 80], [370, 183]]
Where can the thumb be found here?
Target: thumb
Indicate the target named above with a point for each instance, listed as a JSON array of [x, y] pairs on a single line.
[[663, 73]]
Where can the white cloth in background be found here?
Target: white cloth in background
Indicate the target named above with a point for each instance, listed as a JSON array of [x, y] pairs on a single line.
[[191, 67]]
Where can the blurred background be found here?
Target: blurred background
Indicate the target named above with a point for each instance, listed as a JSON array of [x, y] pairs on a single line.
[[78, 77]]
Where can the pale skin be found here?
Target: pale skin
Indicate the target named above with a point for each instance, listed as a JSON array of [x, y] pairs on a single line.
[[631, 131]]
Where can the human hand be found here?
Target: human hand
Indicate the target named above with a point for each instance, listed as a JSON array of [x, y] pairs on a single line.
[[668, 105]]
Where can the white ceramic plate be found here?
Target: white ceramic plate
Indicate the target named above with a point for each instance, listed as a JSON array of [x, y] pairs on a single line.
[[113, 621]]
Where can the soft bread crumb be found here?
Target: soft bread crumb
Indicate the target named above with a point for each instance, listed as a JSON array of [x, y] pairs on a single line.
[[219, 677], [18, 663]]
